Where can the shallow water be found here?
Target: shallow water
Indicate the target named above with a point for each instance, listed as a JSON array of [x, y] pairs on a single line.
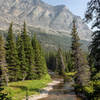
[[63, 91]]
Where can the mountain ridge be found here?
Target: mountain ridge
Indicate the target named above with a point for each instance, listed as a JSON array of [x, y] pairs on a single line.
[[42, 15]]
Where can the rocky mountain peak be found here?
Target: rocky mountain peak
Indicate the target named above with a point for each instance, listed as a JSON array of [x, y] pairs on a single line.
[[39, 14]]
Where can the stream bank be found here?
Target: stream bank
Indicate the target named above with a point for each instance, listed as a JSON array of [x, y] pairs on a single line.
[[45, 91], [62, 91]]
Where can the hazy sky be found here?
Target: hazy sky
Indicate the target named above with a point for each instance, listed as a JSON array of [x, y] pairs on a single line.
[[78, 7]]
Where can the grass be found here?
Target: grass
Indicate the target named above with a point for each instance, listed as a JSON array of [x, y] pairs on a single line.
[[17, 90], [70, 74]]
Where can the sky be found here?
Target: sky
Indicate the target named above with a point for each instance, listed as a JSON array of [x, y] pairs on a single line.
[[77, 7]]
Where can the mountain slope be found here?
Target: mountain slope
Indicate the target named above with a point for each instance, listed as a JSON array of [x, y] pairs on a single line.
[[40, 14], [52, 20]]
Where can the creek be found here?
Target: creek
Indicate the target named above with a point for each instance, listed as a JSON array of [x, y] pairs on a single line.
[[63, 91]]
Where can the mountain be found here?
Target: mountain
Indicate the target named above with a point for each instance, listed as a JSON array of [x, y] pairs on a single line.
[[41, 17]]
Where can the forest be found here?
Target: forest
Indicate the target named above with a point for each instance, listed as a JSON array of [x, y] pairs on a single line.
[[26, 68]]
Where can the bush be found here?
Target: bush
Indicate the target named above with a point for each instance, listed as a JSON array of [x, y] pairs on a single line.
[[4, 96], [85, 91]]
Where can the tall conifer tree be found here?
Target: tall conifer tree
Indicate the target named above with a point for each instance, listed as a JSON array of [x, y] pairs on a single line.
[[29, 54], [93, 15], [80, 63], [21, 56], [60, 65], [40, 63], [12, 56], [3, 64]]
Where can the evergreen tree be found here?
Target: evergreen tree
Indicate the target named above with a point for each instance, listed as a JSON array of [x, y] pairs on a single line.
[[93, 13], [40, 63], [3, 69], [51, 60], [21, 56], [60, 66], [12, 56], [80, 63], [29, 54], [75, 46], [69, 66], [3, 64]]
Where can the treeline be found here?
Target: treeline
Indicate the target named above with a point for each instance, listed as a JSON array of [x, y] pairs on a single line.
[[21, 58], [59, 62]]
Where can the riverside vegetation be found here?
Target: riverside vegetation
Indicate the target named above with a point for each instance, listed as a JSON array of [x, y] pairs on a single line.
[[24, 66]]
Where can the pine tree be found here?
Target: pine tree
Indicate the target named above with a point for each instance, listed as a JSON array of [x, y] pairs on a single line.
[[93, 13], [51, 60], [60, 65], [21, 56], [3, 64], [40, 63], [69, 62], [29, 54], [12, 56], [75, 46], [3, 70], [80, 63]]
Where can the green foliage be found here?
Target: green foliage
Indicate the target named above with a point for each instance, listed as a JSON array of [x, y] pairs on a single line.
[[96, 85], [96, 76], [80, 63], [60, 64], [51, 60], [4, 96], [93, 15], [17, 90], [12, 56], [3, 64], [29, 55], [40, 63], [21, 56], [88, 89], [3, 70], [92, 91], [71, 74], [69, 62], [25, 58]]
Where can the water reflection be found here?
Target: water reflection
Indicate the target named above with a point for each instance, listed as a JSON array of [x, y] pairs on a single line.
[[63, 91]]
